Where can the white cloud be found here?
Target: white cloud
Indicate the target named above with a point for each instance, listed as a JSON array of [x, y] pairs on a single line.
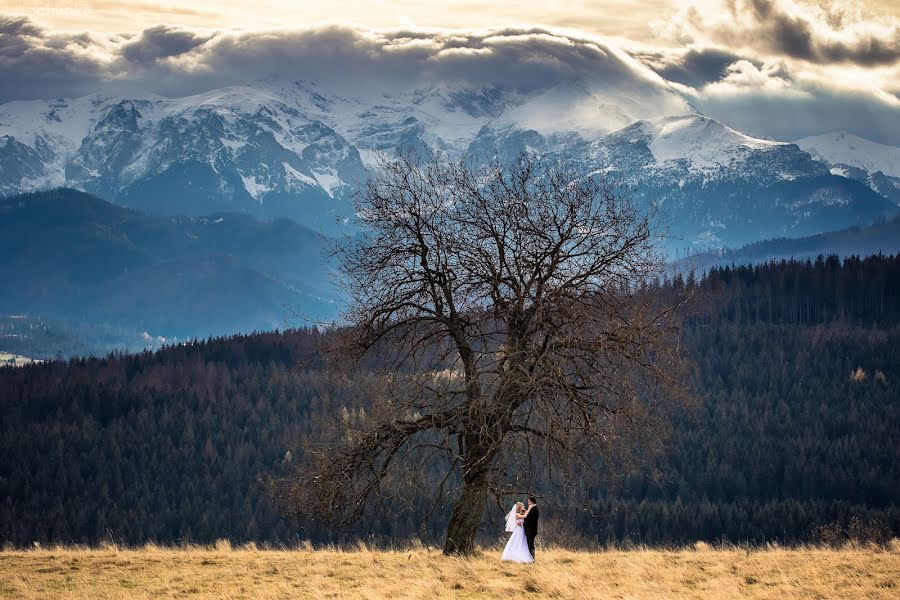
[[745, 74]]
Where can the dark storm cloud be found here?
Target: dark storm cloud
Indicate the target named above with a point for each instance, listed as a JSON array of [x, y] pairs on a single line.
[[790, 35], [161, 42], [868, 51], [521, 57], [18, 27], [776, 26], [178, 61], [350, 59], [35, 63], [797, 37], [695, 68]]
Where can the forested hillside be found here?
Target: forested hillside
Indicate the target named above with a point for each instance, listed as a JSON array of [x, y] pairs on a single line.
[[70, 257], [797, 427]]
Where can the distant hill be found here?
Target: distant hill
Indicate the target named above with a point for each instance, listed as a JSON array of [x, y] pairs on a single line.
[[67, 254], [880, 238]]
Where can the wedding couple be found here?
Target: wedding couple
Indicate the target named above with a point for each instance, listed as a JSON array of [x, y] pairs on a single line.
[[522, 523]]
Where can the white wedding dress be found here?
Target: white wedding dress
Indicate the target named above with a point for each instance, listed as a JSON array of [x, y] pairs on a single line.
[[517, 547]]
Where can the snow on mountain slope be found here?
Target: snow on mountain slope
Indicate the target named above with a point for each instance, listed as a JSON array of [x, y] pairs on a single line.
[[571, 113], [704, 143], [690, 144], [70, 120], [842, 148], [439, 118], [592, 110], [718, 187], [261, 148], [278, 147], [274, 138], [39, 137]]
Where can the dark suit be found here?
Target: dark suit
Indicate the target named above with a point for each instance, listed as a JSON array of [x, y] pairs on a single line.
[[531, 526]]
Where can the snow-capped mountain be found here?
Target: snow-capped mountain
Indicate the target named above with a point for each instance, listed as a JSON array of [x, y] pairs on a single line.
[[718, 187], [842, 148], [272, 147], [243, 148], [694, 147], [876, 165], [277, 147]]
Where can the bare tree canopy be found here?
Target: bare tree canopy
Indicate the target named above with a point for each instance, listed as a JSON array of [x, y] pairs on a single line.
[[506, 311]]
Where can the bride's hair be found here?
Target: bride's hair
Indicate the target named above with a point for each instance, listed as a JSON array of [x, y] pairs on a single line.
[[520, 505]]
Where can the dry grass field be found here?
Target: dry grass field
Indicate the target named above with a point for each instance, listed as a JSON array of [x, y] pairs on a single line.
[[223, 572]]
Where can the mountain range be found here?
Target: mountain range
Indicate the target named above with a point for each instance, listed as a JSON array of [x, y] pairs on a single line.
[[848, 155], [281, 148], [70, 255], [207, 214], [719, 188]]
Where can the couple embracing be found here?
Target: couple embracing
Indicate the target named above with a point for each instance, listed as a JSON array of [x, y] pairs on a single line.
[[522, 523]]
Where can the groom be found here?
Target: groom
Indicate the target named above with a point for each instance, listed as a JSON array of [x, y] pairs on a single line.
[[530, 525]]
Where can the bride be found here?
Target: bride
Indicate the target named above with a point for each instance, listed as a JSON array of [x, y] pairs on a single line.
[[517, 547]]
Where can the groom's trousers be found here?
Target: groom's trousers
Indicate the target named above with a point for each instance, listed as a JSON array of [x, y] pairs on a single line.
[[530, 535]]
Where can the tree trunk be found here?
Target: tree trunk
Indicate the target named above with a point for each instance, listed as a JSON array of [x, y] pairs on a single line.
[[467, 512]]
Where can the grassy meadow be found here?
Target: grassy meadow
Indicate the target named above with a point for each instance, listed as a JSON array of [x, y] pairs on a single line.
[[221, 571]]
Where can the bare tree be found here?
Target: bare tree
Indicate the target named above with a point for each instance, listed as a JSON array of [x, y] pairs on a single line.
[[504, 309]]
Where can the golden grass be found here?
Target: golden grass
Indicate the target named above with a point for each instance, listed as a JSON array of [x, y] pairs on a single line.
[[221, 571]]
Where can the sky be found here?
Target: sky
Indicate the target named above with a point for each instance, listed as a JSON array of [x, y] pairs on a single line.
[[780, 69]]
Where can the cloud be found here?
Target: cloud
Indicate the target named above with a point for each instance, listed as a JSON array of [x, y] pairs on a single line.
[[788, 113], [161, 42], [762, 88], [345, 56], [36, 63], [694, 68], [783, 68], [814, 32], [747, 74], [775, 99], [178, 61]]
